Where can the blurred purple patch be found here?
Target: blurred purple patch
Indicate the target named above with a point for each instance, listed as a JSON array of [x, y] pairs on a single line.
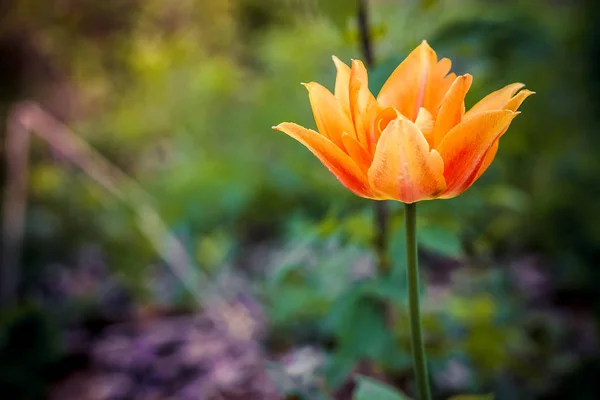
[[215, 355]]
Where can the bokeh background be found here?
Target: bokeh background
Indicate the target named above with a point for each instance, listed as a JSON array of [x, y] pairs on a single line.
[[160, 241]]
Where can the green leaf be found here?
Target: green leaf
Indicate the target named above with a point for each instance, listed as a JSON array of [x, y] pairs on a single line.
[[296, 302], [366, 332], [370, 389], [359, 324], [339, 367], [441, 241], [357, 321]]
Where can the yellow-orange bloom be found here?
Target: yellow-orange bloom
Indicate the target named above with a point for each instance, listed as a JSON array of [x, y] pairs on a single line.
[[414, 141]]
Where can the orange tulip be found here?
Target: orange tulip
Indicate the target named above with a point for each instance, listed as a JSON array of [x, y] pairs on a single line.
[[414, 141]]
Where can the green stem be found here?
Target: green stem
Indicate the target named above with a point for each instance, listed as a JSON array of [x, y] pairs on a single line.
[[416, 333]]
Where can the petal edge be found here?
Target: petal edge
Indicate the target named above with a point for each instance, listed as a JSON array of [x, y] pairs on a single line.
[[331, 156], [465, 146]]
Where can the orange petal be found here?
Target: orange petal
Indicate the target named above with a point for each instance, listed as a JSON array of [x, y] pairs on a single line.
[[406, 88], [465, 146], [452, 107], [425, 123], [404, 168], [342, 82], [369, 117], [330, 118], [495, 100], [332, 157], [443, 67], [487, 160], [514, 103], [363, 105], [439, 84], [383, 117], [358, 153], [482, 167]]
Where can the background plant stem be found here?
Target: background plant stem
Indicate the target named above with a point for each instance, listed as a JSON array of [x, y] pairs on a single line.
[[416, 333], [381, 209]]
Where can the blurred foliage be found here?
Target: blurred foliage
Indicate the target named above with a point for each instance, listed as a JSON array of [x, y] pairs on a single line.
[[371, 389], [339, 305], [182, 95]]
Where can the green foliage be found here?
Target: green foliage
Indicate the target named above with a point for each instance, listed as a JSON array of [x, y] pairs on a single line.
[[338, 11], [322, 299], [441, 241], [358, 322], [370, 389], [307, 291]]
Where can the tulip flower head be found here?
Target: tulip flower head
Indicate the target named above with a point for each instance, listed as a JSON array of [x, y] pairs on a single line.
[[412, 142]]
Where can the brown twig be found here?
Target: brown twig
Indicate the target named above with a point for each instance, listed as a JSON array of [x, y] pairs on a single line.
[[381, 210], [13, 208], [365, 35]]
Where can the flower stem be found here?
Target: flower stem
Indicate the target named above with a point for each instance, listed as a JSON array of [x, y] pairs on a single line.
[[416, 333]]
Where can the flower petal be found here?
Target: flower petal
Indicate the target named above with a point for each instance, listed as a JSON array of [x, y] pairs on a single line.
[[357, 152], [404, 168], [487, 160], [419, 81], [444, 66], [465, 146], [330, 118], [439, 83], [514, 103], [383, 117], [342, 83], [363, 106], [495, 100], [332, 157], [452, 108], [406, 88], [425, 123]]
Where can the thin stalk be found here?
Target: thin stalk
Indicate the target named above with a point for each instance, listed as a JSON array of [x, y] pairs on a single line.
[[381, 207], [365, 35], [416, 332]]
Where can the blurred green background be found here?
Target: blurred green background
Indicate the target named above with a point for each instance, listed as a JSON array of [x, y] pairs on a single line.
[[181, 96]]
